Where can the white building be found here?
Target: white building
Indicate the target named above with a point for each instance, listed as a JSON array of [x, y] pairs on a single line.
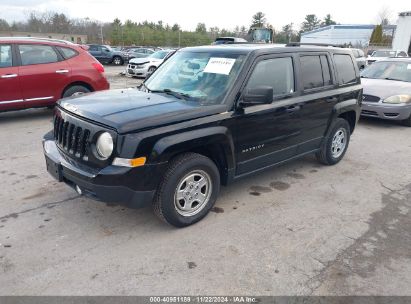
[[358, 35], [402, 38]]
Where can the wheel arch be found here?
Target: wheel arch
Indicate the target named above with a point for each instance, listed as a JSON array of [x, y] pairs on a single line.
[[77, 83], [214, 142]]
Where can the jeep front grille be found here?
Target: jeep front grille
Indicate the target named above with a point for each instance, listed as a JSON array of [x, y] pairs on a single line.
[[71, 138]]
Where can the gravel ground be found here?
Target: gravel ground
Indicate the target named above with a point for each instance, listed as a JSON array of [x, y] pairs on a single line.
[[299, 229]]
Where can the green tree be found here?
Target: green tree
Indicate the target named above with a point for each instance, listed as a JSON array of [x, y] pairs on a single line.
[[311, 22], [376, 36], [175, 28], [201, 28], [4, 26], [328, 21], [258, 20]]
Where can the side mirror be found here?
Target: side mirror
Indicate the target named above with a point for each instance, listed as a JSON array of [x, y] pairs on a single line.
[[258, 95]]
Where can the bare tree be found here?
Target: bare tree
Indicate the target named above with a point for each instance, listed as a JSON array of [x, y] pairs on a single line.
[[384, 15]]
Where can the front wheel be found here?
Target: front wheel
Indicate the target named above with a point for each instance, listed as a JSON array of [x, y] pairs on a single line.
[[335, 144], [407, 122], [188, 190]]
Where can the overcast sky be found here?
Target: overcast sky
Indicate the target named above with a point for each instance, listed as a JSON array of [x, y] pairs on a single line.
[[222, 13]]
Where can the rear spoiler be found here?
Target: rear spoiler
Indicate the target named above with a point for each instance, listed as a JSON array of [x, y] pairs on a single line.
[[84, 46]]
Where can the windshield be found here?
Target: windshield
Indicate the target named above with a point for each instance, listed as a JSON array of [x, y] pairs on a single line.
[[202, 77], [159, 55], [393, 70], [262, 35], [223, 40], [383, 54]]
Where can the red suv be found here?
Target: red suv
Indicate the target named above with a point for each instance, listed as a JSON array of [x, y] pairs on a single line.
[[37, 72]]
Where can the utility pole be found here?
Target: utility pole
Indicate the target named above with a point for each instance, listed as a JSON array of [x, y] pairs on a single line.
[[179, 38], [101, 33]]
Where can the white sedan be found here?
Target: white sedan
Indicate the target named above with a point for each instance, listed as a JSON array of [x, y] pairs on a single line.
[[142, 67]]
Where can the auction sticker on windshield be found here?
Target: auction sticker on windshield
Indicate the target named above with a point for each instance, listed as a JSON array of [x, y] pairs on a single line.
[[218, 65], [409, 66]]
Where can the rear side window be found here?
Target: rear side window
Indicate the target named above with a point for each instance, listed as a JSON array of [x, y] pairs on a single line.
[[37, 54], [6, 57], [67, 52], [325, 66], [93, 48], [277, 73], [345, 68], [315, 71]]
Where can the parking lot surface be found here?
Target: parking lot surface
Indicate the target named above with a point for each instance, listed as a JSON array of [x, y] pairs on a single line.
[[298, 229]]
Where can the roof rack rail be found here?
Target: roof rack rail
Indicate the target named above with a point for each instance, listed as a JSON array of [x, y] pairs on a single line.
[[38, 38], [313, 44]]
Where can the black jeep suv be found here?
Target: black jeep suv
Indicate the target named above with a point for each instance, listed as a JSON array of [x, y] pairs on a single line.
[[206, 117]]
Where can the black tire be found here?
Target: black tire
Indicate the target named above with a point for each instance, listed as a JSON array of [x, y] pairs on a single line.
[[74, 90], [151, 70], [326, 155], [407, 122], [179, 169], [117, 60]]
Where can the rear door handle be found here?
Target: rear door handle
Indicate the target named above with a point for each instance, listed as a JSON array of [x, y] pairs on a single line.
[[292, 109], [62, 71], [332, 99], [9, 76]]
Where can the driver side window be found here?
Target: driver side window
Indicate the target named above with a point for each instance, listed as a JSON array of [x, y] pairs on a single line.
[[277, 73]]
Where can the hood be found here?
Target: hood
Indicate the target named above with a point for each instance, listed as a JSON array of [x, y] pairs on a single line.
[[132, 110], [144, 60], [385, 88]]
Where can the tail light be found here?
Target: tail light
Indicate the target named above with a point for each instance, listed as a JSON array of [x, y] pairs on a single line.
[[98, 66]]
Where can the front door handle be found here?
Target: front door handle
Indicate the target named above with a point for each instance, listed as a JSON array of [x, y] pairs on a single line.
[[9, 76], [62, 71], [292, 109]]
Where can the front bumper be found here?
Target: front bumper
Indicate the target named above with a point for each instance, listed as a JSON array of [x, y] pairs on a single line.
[[131, 70], [386, 111], [131, 187]]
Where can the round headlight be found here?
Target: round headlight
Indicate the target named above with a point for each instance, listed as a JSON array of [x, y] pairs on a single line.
[[104, 145]]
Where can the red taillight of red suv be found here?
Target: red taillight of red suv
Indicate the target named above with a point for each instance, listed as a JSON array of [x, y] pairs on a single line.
[[98, 66]]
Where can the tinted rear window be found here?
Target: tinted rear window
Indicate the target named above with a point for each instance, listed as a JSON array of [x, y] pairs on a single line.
[[345, 68], [315, 71], [67, 52]]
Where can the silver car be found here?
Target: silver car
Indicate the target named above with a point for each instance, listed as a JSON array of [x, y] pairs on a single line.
[[387, 90]]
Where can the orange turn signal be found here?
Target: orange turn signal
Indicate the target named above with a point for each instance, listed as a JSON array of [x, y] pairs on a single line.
[[125, 162], [137, 162]]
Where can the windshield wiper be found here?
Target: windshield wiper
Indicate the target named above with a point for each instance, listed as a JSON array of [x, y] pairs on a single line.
[[173, 93], [389, 78]]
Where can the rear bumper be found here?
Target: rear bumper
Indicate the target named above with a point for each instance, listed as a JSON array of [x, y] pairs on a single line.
[[386, 111], [113, 184]]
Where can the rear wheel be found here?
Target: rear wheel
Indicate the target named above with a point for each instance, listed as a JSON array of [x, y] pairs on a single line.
[[188, 190], [335, 144], [118, 60], [75, 90]]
